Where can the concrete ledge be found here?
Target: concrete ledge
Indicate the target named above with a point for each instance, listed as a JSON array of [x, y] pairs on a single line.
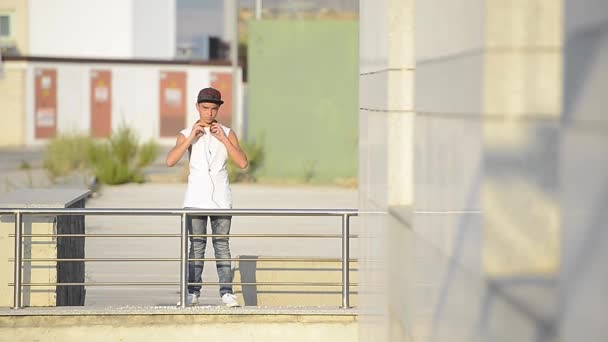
[[168, 323], [174, 310]]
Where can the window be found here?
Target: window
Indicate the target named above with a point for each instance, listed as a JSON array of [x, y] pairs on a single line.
[[5, 26]]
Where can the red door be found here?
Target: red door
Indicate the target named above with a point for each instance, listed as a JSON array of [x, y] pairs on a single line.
[[172, 103], [45, 120], [101, 103], [222, 81]]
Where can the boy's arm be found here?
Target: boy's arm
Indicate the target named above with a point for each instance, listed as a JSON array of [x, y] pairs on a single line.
[[182, 144], [177, 152], [235, 151]]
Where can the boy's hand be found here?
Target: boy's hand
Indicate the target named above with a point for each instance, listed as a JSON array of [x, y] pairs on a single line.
[[217, 131], [197, 131]]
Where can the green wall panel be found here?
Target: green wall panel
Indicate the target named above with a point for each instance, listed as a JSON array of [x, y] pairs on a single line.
[[303, 98]]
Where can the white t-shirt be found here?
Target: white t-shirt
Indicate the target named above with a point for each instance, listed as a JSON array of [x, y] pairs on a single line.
[[208, 184]]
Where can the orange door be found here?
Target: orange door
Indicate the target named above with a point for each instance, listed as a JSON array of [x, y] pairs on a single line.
[[222, 81], [101, 103], [172, 103], [45, 120]]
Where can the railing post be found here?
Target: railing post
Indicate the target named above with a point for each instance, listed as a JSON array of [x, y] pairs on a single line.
[[345, 261], [183, 269], [17, 265]]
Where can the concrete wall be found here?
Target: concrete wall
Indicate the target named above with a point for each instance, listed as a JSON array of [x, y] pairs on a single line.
[[112, 29], [501, 238], [13, 109], [303, 90], [127, 326]]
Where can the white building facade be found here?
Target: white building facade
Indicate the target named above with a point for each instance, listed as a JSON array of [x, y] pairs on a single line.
[[139, 29]]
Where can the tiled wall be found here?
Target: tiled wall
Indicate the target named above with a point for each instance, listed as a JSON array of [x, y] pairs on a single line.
[[583, 173], [484, 138]]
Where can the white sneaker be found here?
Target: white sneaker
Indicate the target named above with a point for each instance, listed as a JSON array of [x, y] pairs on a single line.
[[191, 299], [229, 300]]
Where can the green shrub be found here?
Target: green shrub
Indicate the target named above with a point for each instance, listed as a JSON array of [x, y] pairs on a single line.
[[121, 159], [24, 165], [309, 170], [255, 155], [148, 153], [67, 153], [118, 160]]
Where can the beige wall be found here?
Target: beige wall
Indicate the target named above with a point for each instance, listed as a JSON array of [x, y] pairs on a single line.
[[13, 105], [43, 272], [289, 295], [19, 8]]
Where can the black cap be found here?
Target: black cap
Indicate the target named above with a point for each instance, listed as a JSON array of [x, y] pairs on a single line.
[[210, 95]]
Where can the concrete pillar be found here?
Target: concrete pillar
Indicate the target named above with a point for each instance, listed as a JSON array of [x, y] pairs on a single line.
[[386, 176]]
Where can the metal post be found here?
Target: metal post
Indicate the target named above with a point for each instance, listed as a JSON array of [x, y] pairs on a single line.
[[183, 269], [258, 9], [236, 80], [17, 272], [345, 261]]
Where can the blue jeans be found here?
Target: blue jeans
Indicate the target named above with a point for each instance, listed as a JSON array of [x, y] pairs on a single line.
[[219, 225]]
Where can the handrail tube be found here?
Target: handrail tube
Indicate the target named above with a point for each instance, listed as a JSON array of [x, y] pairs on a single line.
[[177, 259], [345, 263], [178, 212], [18, 263], [192, 235], [183, 269], [276, 283]]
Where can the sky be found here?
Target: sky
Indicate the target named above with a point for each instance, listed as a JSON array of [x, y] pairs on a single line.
[[199, 17], [205, 17]]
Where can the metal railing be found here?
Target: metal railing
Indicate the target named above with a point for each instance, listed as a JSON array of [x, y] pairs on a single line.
[[345, 215]]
